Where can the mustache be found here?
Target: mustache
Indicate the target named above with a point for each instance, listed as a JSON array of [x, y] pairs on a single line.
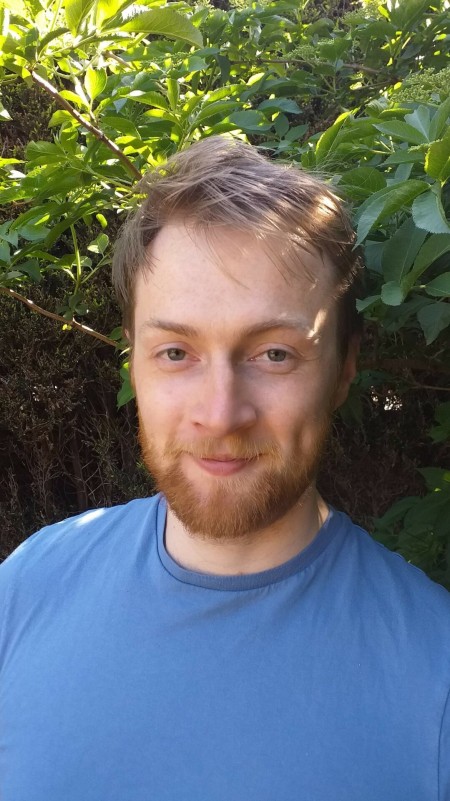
[[233, 447]]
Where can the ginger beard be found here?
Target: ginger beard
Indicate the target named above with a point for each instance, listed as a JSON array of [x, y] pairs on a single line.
[[232, 507]]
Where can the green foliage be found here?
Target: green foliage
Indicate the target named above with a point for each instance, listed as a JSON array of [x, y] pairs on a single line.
[[362, 98], [418, 526]]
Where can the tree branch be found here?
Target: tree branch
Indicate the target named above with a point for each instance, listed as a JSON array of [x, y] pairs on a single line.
[[73, 323], [131, 169]]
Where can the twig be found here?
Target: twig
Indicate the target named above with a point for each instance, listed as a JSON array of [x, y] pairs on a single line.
[[406, 364], [73, 323], [89, 125], [117, 58], [357, 67], [428, 386]]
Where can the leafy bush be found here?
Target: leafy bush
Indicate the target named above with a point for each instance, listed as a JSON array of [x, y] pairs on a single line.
[[361, 97]]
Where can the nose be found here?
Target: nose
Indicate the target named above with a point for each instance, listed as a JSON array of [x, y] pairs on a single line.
[[222, 406]]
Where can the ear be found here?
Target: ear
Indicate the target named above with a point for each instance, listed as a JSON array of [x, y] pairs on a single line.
[[348, 371]]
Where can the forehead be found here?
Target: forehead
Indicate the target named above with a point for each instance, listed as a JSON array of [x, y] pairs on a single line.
[[224, 277]]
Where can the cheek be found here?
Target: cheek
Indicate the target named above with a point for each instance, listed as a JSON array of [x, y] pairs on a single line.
[[160, 409], [299, 417]]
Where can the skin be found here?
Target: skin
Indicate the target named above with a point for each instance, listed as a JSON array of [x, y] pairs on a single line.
[[233, 358]]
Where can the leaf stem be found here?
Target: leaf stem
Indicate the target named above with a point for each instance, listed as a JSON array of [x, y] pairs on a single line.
[[131, 169], [77, 259], [79, 326]]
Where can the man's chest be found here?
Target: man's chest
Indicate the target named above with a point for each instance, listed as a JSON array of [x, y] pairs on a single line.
[[127, 705]]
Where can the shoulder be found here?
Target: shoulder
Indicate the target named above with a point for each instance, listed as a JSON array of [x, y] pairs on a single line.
[[73, 540], [400, 588]]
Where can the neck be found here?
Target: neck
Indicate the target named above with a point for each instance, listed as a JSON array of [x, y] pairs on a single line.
[[254, 552]]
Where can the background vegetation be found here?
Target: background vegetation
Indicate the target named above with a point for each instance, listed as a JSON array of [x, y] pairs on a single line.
[[94, 93]]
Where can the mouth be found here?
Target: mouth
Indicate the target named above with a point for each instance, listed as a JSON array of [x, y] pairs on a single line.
[[222, 464]]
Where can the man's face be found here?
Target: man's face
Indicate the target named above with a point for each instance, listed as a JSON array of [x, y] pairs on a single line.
[[235, 370]]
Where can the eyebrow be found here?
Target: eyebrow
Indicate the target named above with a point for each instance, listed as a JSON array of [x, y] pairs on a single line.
[[293, 323]]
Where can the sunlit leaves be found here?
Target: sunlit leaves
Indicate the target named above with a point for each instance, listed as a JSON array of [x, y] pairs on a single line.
[[164, 22], [75, 12], [94, 81], [386, 202]]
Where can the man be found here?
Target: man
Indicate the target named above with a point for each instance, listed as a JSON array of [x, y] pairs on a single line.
[[232, 638]]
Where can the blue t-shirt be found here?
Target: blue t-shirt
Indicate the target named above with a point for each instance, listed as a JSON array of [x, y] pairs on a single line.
[[124, 677]]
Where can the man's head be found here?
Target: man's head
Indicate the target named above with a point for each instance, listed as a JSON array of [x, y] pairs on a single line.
[[222, 182], [233, 276]]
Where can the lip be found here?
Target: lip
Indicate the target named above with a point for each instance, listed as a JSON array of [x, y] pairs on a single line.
[[222, 465]]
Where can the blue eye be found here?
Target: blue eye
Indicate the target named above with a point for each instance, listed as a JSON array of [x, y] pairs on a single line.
[[175, 354], [276, 355]]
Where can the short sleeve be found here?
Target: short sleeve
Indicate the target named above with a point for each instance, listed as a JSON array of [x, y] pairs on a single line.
[[8, 570], [444, 754]]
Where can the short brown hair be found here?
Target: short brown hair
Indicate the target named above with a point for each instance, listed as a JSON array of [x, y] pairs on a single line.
[[223, 181]]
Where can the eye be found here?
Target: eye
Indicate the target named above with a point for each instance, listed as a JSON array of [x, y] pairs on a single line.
[[175, 354], [275, 359], [277, 355]]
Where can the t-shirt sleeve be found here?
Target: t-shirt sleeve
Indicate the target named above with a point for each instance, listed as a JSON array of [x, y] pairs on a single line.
[[8, 571], [444, 754]]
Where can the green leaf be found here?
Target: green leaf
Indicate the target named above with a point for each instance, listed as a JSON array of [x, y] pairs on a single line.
[[373, 254], [368, 179], [94, 81], [75, 11], [392, 294], [405, 157], [67, 94], [437, 160], [61, 183], [327, 140], [49, 37], [441, 432], [281, 125], [428, 213], [165, 22], [280, 104], [107, 9], [406, 13], [401, 130], [439, 287], [372, 300], [154, 99], [250, 120], [126, 392], [296, 132], [44, 153], [434, 319], [33, 233], [31, 268], [4, 251], [439, 122], [401, 250], [4, 113], [420, 120], [435, 477], [385, 203], [173, 93], [434, 247], [221, 107], [61, 117], [120, 124], [196, 64], [99, 244]]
